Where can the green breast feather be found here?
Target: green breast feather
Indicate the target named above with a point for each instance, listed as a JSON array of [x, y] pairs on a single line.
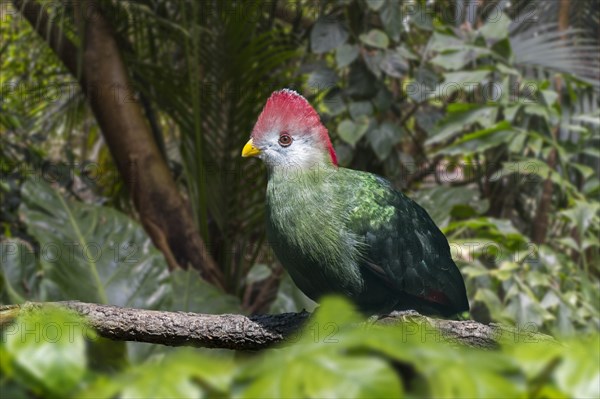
[[343, 231]]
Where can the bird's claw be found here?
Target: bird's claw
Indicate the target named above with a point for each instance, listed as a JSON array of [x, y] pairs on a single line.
[[404, 314], [394, 315]]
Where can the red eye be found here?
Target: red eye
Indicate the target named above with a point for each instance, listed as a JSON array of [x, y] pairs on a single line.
[[285, 140]]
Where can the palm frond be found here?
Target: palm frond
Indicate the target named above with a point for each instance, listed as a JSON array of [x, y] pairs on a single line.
[[213, 66], [546, 48]]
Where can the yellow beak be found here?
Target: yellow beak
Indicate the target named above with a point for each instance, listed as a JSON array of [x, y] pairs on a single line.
[[250, 150]]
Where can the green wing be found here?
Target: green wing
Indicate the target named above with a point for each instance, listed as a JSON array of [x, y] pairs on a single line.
[[404, 248]]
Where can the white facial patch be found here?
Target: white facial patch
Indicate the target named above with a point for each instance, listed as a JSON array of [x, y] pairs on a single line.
[[306, 152]]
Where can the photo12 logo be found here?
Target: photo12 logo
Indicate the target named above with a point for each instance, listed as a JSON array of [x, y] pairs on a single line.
[[70, 251]]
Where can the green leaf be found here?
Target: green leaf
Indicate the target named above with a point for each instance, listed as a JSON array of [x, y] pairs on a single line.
[[481, 140], [92, 253], [458, 59], [532, 167], [326, 35], [259, 272], [360, 108], [502, 49], [428, 117], [406, 53], [466, 79], [391, 17], [347, 377], [507, 70], [321, 366], [351, 132], [361, 82], [442, 42], [394, 64], [491, 301], [319, 374], [46, 352], [550, 97], [496, 374], [182, 374], [496, 27], [383, 100], [473, 270], [591, 187], [423, 86], [518, 143], [504, 226], [421, 17], [505, 271], [440, 201], [586, 171], [591, 118], [333, 103], [373, 61], [538, 110], [511, 111], [578, 374], [582, 214], [452, 60], [525, 309], [462, 81], [290, 298], [191, 293], [333, 309], [375, 5], [384, 138], [375, 38], [346, 54], [322, 78], [457, 121], [20, 272], [344, 153]]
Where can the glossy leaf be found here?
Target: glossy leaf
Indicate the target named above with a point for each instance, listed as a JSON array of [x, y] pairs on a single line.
[[384, 138], [375, 38], [20, 275], [440, 201], [496, 27], [375, 5], [45, 351], [360, 108], [481, 140], [345, 54], [191, 293], [351, 132], [453, 60], [394, 64], [92, 253], [391, 17], [459, 81], [455, 122], [327, 34]]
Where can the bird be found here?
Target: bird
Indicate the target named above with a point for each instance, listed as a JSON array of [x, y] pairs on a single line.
[[339, 231]]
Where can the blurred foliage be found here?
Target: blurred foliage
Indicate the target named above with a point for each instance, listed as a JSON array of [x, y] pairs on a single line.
[[469, 107], [331, 357]]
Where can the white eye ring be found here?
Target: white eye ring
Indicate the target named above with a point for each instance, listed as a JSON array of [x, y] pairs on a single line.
[[285, 140]]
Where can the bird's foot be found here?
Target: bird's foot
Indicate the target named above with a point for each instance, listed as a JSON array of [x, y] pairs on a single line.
[[404, 314], [394, 315]]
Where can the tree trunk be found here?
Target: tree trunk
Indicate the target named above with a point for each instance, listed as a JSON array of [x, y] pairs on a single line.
[[163, 212]]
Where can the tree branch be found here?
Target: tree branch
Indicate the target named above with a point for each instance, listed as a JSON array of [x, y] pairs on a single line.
[[233, 331]]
